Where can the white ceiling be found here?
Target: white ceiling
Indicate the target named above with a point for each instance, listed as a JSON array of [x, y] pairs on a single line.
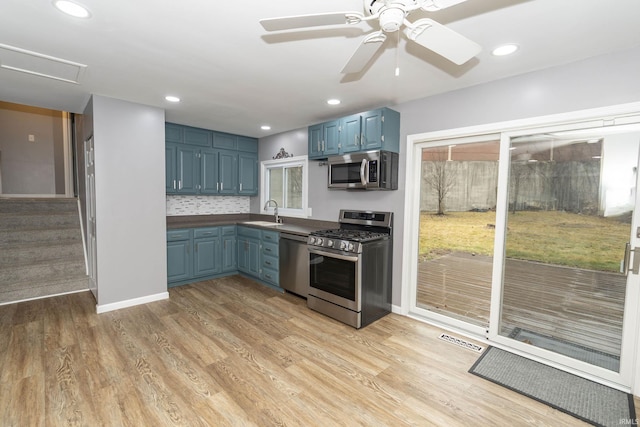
[[233, 76]]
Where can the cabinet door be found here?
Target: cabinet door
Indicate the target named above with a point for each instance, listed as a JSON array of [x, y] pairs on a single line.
[[171, 178], [206, 256], [228, 175], [178, 260], [173, 133], [254, 257], [196, 136], [187, 170], [331, 135], [225, 141], [371, 130], [243, 254], [247, 174], [315, 141], [350, 133], [209, 172], [228, 254]]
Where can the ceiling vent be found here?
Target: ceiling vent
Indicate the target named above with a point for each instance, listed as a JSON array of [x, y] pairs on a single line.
[[38, 64]]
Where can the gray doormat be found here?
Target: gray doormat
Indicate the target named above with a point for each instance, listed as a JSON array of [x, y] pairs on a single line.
[[585, 354], [584, 399]]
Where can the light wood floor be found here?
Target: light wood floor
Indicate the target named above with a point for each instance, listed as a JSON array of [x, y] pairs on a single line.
[[231, 352]]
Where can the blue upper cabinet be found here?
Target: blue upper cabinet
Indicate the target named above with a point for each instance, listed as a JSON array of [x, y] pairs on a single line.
[[324, 140], [200, 161], [247, 174], [228, 175], [225, 141], [372, 130]]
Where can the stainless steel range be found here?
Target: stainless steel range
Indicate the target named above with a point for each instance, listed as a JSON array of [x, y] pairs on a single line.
[[350, 268]]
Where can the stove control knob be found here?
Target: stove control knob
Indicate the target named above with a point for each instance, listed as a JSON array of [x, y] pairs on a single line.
[[330, 243], [319, 241], [343, 245], [312, 240], [351, 247]]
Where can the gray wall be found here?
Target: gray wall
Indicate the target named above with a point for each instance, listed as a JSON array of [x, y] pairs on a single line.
[[595, 82], [130, 200], [31, 167]]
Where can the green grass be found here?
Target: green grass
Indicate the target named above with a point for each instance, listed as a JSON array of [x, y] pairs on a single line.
[[552, 237]]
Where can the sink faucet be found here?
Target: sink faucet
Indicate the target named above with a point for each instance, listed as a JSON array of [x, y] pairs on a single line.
[[275, 210]]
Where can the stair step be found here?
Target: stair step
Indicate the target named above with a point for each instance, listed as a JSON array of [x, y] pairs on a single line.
[[24, 220], [38, 289], [24, 254], [43, 272], [59, 234], [13, 205]]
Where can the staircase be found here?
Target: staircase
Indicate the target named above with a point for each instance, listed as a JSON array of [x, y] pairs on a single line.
[[41, 252]]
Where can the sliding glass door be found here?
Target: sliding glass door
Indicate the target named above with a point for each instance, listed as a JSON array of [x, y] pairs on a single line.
[[528, 238], [570, 215]]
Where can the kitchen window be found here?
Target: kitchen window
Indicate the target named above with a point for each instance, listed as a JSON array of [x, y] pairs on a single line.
[[286, 182]]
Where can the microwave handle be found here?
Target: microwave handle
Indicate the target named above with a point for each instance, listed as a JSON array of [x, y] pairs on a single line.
[[364, 172]]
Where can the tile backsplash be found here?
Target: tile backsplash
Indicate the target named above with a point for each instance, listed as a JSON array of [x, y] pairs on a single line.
[[206, 205]]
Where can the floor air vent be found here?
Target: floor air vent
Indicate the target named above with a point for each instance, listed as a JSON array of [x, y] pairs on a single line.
[[461, 343]]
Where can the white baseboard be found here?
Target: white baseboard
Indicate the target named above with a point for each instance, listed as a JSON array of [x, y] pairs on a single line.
[[398, 310], [131, 302]]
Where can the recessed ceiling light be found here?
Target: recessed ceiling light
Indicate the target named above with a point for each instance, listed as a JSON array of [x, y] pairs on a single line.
[[333, 101], [505, 49], [172, 98], [265, 127], [72, 9]]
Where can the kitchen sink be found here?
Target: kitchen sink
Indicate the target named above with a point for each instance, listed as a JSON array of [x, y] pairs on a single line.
[[262, 223]]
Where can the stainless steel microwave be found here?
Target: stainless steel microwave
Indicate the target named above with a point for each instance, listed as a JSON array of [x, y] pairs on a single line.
[[369, 170]]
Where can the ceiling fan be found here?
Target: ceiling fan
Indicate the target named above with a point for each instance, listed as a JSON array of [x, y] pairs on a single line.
[[391, 16]]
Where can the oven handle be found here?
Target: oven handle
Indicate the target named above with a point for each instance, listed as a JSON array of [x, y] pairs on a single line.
[[334, 255], [363, 176]]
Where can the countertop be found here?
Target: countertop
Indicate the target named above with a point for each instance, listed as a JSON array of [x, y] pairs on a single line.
[[299, 226]]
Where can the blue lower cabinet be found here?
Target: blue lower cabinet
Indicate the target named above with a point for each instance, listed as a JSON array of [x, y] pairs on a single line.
[[195, 254], [179, 253]]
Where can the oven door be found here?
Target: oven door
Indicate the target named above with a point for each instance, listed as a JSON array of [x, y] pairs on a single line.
[[335, 277]]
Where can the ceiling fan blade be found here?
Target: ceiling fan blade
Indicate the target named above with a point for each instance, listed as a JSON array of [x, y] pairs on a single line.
[[442, 40], [364, 53], [314, 20], [435, 5]]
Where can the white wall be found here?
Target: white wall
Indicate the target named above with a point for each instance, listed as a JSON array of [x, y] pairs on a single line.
[[595, 82], [130, 202]]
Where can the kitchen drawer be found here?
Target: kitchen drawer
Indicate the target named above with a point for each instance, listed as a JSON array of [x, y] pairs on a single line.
[[228, 230], [175, 235], [270, 249], [206, 232], [270, 236], [270, 276], [249, 232], [270, 262]]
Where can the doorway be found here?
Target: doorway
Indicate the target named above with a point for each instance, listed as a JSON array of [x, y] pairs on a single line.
[[536, 252]]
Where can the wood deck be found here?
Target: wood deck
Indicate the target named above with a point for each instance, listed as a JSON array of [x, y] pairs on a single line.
[[579, 306]]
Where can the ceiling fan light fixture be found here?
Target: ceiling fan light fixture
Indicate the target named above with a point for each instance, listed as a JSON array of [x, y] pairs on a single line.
[[391, 19], [72, 9], [505, 49]]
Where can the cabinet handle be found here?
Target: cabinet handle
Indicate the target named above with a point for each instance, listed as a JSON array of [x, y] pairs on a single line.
[[362, 139], [267, 250], [240, 186], [267, 262], [174, 184], [356, 137], [221, 186], [180, 185]]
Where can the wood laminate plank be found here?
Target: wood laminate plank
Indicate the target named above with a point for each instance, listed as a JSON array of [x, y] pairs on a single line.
[[234, 353]]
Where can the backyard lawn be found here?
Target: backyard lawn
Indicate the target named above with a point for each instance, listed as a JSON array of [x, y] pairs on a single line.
[[552, 237]]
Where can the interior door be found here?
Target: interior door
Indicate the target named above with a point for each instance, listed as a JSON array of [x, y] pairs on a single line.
[[569, 269], [90, 177]]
